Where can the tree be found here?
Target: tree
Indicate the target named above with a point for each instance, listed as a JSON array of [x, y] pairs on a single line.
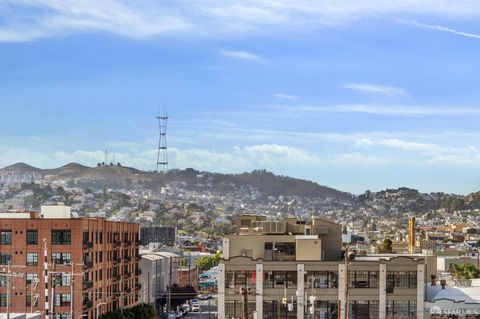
[[386, 246], [465, 271], [206, 262], [141, 311]]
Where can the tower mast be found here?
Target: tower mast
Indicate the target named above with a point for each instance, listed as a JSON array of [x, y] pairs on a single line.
[[162, 155]]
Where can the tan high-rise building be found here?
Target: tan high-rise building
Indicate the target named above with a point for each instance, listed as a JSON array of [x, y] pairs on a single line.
[[295, 269], [102, 255]]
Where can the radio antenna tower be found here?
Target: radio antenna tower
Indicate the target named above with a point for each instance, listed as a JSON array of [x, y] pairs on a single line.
[[162, 155]]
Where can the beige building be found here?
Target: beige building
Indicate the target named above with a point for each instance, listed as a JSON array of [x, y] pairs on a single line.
[[294, 269]]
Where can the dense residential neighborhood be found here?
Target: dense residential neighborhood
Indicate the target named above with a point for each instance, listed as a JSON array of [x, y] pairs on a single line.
[[185, 234]]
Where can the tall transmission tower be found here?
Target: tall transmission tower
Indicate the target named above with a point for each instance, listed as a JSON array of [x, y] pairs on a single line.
[[162, 155]]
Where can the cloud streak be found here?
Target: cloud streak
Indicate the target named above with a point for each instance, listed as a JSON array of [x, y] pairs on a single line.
[[437, 27], [389, 91], [388, 110], [283, 96], [241, 55]]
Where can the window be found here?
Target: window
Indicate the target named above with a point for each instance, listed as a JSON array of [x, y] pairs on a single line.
[[401, 279], [363, 279], [32, 278], [32, 259], [280, 279], [100, 257], [401, 308], [86, 237], [62, 300], [61, 316], [30, 301], [3, 281], [324, 309], [61, 237], [321, 279], [363, 309], [5, 237], [277, 310], [32, 237], [65, 280], [234, 309], [3, 300], [5, 258], [61, 258]]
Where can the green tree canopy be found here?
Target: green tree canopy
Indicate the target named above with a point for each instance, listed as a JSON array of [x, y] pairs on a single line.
[[465, 271], [206, 262]]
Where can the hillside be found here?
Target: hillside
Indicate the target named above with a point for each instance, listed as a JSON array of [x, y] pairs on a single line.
[[113, 177]]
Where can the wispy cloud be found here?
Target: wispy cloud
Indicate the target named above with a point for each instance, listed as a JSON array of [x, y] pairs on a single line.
[[390, 91], [283, 96], [25, 20], [242, 55], [390, 110], [440, 28]]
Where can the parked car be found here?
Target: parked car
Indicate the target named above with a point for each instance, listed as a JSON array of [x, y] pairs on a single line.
[[205, 297], [194, 301], [186, 307], [196, 307]]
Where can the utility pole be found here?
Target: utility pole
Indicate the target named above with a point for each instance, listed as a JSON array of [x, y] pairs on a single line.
[[346, 282], [70, 275], [9, 289], [244, 291], [9, 275], [45, 269]]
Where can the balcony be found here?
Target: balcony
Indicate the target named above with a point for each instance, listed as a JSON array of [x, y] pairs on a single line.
[[117, 261], [87, 265], [128, 258], [127, 275], [138, 286], [138, 272], [128, 289], [87, 304], [87, 285], [117, 243], [128, 243], [88, 245]]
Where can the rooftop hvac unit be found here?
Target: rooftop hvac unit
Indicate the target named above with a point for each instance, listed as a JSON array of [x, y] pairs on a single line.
[[274, 227], [319, 230]]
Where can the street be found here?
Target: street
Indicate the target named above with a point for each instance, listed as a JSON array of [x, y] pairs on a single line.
[[205, 310]]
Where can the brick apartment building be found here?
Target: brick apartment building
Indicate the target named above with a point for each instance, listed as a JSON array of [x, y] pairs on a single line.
[[103, 256]]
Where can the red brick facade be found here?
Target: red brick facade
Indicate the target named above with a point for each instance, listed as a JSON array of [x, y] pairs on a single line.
[[103, 255]]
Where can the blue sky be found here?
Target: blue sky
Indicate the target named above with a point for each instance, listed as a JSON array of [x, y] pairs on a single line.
[[355, 95]]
